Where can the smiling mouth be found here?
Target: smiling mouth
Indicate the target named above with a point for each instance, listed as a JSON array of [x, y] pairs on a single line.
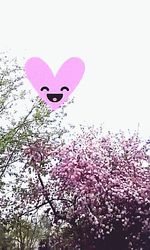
[[54, 97]]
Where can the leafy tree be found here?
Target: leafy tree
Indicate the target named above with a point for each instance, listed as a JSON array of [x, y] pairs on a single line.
[[20, 234], [95, 189], [20, 128]]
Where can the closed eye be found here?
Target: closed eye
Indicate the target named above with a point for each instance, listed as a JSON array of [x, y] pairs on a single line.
[[44, 88], [64, 88]]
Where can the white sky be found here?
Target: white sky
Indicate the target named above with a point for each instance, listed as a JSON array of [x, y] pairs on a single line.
[[112, 38]]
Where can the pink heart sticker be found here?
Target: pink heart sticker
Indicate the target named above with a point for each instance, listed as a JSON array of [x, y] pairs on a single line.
[[54, 90]]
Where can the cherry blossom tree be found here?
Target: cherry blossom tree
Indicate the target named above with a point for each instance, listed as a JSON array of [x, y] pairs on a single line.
[[95, 189]]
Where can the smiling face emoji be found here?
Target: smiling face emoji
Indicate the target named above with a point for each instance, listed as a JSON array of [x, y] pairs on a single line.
[[54, 97], [54, 90]]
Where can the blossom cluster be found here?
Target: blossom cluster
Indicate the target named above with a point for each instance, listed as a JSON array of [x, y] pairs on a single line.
[[100, 181]]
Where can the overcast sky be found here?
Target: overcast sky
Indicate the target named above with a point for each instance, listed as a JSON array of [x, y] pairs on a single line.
[[111, 37]]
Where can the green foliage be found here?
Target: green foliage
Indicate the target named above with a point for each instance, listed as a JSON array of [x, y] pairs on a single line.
[[18, 128], [19, 234]]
